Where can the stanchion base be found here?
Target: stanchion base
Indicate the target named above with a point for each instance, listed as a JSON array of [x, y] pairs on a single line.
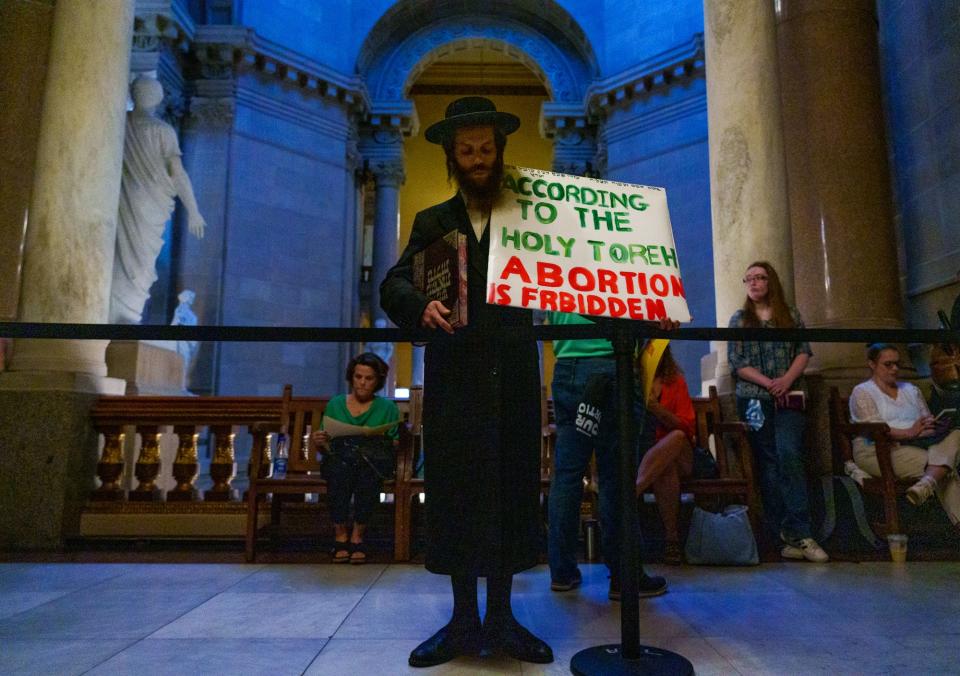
[[607, 660]]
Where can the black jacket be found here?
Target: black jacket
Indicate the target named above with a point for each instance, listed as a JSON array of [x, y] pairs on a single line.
[[481, 416]]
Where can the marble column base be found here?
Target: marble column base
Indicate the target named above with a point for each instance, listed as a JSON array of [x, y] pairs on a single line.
[[48, 465], [715, 370], [74, 365]]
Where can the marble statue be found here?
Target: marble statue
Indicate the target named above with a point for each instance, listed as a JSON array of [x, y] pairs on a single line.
[[153, 176], [184, 316]]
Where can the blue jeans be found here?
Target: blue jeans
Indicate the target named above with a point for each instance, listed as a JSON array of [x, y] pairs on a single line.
[[778, 447], [571, 459]]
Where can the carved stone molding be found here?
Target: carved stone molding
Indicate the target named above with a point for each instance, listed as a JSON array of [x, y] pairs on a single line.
[[558, 119], [224, 51], [388, 173], [679, 63], [392, 120], [211, 113], [151, 31], [381, 149], [574, 151]]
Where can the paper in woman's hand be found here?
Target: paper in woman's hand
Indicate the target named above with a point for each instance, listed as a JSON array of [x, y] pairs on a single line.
[[335, 428]]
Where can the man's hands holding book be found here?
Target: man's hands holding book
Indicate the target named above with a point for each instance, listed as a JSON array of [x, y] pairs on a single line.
[[434, 317]]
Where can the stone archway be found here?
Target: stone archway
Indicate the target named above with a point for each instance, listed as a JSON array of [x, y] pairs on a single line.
[[539, 34]]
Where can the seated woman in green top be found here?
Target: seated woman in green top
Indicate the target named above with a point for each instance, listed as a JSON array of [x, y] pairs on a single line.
[[350, 470]]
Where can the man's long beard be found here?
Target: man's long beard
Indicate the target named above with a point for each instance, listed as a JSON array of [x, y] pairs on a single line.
[[485, 192]]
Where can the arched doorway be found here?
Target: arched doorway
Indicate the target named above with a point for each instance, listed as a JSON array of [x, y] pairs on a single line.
[[529, 57]]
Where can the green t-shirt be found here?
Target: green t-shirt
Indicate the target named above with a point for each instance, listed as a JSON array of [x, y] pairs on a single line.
[[587, 347], [381, 412]]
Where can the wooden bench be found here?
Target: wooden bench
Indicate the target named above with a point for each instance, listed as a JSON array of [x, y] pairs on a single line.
[[304, 470], [739, 485], [887, 485]]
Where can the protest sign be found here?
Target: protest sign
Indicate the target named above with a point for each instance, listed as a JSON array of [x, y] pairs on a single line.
[[573, 244]]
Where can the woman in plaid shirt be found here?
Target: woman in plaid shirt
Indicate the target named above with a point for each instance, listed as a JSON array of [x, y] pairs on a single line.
[[766, 371]]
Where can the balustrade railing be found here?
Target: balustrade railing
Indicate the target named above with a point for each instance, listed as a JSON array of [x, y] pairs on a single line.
[[117, 417]]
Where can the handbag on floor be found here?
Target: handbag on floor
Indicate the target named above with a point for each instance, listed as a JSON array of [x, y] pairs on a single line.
[[724, 539]]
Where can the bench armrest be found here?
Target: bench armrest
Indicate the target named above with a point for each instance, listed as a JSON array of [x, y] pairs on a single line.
[[879, 433], [738, 433]]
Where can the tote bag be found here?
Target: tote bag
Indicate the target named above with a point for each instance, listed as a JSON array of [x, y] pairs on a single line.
[[724, 539]]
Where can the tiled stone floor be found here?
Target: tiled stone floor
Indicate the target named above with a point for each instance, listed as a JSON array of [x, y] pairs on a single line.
[[151, 619]]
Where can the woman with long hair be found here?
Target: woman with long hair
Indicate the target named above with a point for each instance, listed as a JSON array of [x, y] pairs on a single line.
[[925, 450], [770, 398], [666, 448]]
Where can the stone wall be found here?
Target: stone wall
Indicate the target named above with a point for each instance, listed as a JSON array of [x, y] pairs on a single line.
[[920, 59], [661, 139], [289, 251]]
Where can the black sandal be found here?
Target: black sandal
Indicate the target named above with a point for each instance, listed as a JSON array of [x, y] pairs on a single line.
[[338, 547], [361, 549]]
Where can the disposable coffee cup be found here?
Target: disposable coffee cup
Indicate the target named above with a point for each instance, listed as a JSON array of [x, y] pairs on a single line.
[[898, 547]]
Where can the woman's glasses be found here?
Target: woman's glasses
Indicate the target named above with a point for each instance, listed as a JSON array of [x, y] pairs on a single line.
[[755, 278], [890, 364]]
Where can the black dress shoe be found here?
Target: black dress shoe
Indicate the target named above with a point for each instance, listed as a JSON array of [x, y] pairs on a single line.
[[511, 638], [451, 641]]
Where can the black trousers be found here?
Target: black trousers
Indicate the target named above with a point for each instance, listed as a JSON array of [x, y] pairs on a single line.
[[349, 475]]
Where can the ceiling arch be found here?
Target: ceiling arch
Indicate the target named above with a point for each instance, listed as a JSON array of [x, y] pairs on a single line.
[[538, 33]]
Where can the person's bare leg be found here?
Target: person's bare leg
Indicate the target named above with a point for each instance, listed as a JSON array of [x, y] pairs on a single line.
[[659, 458], [359, 555], [667, 491], [341, 535]]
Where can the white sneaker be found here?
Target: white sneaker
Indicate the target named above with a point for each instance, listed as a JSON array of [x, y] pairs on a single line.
[[921, 491], [807, 549]]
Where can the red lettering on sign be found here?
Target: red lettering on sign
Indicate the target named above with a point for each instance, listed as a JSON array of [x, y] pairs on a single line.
[[515, 267]]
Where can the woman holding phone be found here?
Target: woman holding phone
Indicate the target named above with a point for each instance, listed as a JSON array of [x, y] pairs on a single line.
[[927, 450]]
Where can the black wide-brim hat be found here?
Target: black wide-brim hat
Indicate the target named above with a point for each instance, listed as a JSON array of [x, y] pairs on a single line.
[[471, 111]]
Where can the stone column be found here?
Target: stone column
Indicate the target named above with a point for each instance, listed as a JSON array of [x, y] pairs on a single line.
[[72, 223], [747, 176], [49, 446], [844, 250], [389, 176], [25, 35], [844, 247]]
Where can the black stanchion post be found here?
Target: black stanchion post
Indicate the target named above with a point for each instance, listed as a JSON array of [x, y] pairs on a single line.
[[629, 657]]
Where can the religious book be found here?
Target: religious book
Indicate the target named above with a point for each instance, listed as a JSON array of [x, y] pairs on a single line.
[[440, 272], [794, 400]]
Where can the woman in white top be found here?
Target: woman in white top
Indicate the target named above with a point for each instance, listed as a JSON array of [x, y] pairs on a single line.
[[925, 450]]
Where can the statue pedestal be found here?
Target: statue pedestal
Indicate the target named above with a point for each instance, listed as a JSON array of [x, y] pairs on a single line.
[[149, 367]]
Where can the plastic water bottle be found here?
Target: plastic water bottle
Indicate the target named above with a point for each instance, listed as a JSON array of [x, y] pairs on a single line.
[[754, 414], [283, 454]]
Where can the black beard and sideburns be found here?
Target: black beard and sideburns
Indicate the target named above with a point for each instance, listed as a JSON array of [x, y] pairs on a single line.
[[485, 193]]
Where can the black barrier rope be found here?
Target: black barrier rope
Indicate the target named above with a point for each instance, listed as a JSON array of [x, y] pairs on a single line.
[[304, 334], [628, 656]]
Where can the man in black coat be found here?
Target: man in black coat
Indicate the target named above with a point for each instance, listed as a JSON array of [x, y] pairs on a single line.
[[481, 406]]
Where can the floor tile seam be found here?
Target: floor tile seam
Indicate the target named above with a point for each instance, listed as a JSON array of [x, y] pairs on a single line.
[[40, 605], [183, 614], [123, 649], [722, 656], [258, 568], [315, 657], [352, 611]]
